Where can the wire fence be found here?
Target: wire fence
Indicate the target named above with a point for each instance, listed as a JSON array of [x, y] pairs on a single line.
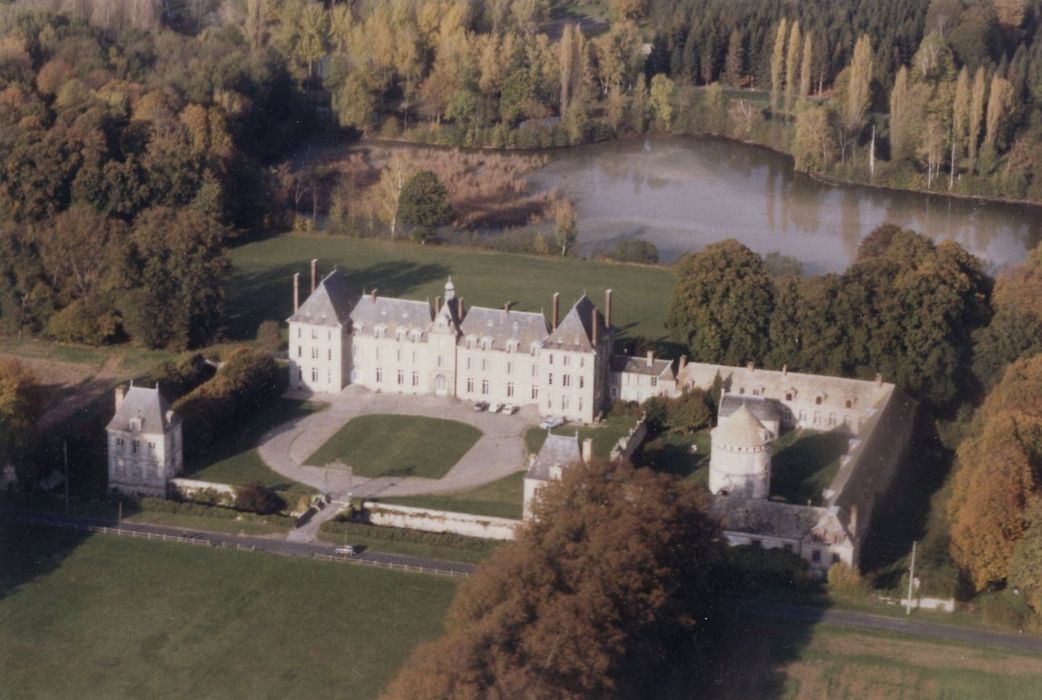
[[381, 564]]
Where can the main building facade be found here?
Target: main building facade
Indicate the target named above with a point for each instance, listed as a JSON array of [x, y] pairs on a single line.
[[563, 366]]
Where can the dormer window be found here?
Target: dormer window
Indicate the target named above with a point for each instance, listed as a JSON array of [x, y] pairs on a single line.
[[135, 424], [818, 399]]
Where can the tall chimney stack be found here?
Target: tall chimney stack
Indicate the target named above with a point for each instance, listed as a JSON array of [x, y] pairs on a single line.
[[296, 291], [556, 310], [314, 274], [437, 303], [607, 308], [462, 308], [595, 322], [651, 358], [121, 391], [506, 306], [372, 295], [683, 362]]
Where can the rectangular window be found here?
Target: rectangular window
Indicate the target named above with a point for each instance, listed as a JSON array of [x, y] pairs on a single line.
[[535, 392], [551, 358], [484, 365], [535, 370], [329, 354], [510, 390], [654, 381], [133, 447], [565, 360], [314, 334], [582, 381], [440, 360], [354, 350], [470, 363], [550, 378], [329, 376], [314, 353], [815, 556], [329, 335], [415, 378], [379, 375], [510, 368], [564, 403], [300, 351], [835, 558], [377, 352], [484, 386], [151, 447], [470, 385], [401, 377], [414, 357], [582, 361], [298, 331], [566, 380], [314, 374], [398, 354]]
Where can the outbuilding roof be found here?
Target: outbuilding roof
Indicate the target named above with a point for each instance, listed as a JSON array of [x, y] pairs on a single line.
[[148, 407], [641, 365], [557, 451], [741, 429], [763, 408]]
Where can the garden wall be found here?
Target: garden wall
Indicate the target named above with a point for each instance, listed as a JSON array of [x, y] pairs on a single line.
[[426, 520]]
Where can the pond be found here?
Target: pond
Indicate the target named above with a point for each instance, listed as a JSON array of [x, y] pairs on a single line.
[[682, 193]]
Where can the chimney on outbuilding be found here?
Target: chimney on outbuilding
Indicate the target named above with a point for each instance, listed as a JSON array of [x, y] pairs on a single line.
[[555, 311], [651, 358], [607, 308], [683, 362], [314, 274], [785, 370], [879, 379], [296, 291], [372, 295], [750, 366], [506, 306]]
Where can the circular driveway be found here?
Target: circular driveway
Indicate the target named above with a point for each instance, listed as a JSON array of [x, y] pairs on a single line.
[[498, 452]]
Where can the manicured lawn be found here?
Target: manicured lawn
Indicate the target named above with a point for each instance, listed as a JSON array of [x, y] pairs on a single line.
[[234, 460], [501, 498], [775, 658], [262, 272], [605, 434], [804, 464], [383, 445], [396, 540], [104, 616], [671, 453]]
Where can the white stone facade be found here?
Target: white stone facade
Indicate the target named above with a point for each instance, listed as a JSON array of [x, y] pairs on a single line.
[[145, 449], [501, 356]]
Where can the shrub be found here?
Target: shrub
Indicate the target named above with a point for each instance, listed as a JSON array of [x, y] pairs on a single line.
[[177, 378], [635, 251], [258, 498], [80, 322], [845, 579]]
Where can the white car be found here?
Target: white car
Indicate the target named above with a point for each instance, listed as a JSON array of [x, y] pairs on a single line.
[[496, 408], [480, 406], [347, 550], [550, 423], [510, 409]]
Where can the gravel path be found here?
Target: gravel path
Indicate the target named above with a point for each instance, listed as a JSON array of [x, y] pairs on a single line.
[[498, 453]]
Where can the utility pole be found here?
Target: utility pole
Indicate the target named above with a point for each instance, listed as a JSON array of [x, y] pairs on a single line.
[[911, 580], [119, 518], [65, 452]]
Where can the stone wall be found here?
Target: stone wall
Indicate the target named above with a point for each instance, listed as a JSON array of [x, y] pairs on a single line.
[[626, 446], [427, 520], [188, 488]]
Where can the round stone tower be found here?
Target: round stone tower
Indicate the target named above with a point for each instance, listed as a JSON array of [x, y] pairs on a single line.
[[740, 463]]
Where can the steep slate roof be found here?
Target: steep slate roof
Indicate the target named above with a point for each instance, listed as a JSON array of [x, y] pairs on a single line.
[[370, 312], [763, 408], [329, 305], [146, 404], [503, 326], [575, 331], [740, 429], [557, 451], [757, 516], [639, 365]]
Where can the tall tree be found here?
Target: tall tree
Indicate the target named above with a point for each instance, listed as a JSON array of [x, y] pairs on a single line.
[[792, 66], [807, 66], [778, 64], [961, 103], [735, 60], [1000, 102], [722, 304], [19, 412], [901, 109], [604, 587], [858, 87], [978, 100]]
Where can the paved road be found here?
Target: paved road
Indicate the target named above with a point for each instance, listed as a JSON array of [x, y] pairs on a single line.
[[498, 453], [742, 606], [279, 546]]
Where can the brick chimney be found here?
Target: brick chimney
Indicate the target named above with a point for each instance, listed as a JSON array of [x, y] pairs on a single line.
[[506, 306], [607, 307], [314, 274], [296, 291], [595, 322], [683, 363], [556, 311], [121, 391], [750, 366]]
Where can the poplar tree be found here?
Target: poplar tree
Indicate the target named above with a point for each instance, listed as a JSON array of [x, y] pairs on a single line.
[[1000, 100], [900, 141], [977, 103], [734, 61], [777, 64], [961, 114], [808, 65], [858, 93], [565, 58], [792, 66]]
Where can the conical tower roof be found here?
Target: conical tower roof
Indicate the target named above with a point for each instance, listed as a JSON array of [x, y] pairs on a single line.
[[741, 429]]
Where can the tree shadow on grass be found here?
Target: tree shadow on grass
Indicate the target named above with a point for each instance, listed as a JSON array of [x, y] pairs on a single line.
[[267, 295], [29, 552]]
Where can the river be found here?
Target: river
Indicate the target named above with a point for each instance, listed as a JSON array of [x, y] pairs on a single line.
[[682, 193]]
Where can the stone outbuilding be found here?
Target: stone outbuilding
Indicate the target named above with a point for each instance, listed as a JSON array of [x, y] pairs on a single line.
[[740, 464], [557, 453], [145, 449]]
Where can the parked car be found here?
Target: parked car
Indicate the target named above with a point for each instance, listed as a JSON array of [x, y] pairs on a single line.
[[347, 550], [496, 408], [510, 409], [551, 422], [480, 406]]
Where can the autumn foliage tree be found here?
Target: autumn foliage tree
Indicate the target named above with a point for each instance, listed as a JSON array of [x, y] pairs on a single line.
[[600, 591], [19, 411], [999, 476]]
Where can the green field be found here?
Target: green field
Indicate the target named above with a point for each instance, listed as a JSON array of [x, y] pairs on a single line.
[[386, 445], [605, 434], [262, 272], [671, 453], [785, 659], [103, 616], [804, 464], [501, 499], [397, 540]]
